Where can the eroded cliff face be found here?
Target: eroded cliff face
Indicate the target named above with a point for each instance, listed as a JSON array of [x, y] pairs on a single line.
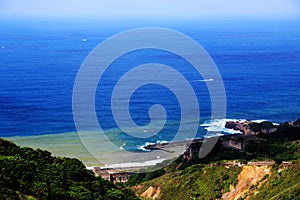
[[152, 193], [250, 176]]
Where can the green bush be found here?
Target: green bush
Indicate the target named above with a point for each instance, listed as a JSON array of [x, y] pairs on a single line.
[[27, 172]]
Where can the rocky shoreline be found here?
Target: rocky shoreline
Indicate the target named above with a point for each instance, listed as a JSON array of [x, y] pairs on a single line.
[[246, 127], [252, 128]]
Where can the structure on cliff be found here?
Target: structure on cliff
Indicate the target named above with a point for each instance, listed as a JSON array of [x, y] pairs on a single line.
[[113, 175], [262, 163], [241, 146], [192, 152]]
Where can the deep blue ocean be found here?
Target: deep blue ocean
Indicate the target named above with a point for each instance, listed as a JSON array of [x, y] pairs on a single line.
[[259, 62]]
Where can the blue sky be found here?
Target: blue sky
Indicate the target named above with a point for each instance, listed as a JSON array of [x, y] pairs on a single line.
[[196, 9]]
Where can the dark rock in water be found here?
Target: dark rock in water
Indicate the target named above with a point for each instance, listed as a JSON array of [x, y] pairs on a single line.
[[155, 146], [151, 147], [238, 126], [231, 125], [252, 128]]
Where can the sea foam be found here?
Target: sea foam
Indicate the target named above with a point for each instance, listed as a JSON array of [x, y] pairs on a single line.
[[218, 125]]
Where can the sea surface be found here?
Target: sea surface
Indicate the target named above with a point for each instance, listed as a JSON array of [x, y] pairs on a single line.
[[259, 62]]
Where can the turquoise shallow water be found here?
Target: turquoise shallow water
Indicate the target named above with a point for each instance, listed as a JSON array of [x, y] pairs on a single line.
[[70, 145]]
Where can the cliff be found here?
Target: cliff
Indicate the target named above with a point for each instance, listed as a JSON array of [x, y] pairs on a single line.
[[223, 182], [249, 176], [255, 165]]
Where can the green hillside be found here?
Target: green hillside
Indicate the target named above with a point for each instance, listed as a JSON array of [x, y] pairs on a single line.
[[194, 182], [226, 173], [283, 184], [212, 178], [35, 174], [211, 182]]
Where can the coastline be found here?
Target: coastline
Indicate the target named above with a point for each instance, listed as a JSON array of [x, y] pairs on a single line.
[[69, 145]]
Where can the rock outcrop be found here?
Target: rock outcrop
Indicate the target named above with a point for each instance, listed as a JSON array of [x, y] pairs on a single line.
[[252, 128], [242, 126]]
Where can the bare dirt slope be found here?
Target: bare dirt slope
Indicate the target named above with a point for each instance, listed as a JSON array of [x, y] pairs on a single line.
[[151, 193], [250, 175]]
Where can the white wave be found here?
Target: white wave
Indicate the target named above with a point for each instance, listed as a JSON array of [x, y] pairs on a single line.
[[218, 125], [231, 131], [212, 135], [191, 138], [134, 164], [258, 120], [161, 142], [204, 80], [141, 147], [219, 122], [263, 120], [123, 145]]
